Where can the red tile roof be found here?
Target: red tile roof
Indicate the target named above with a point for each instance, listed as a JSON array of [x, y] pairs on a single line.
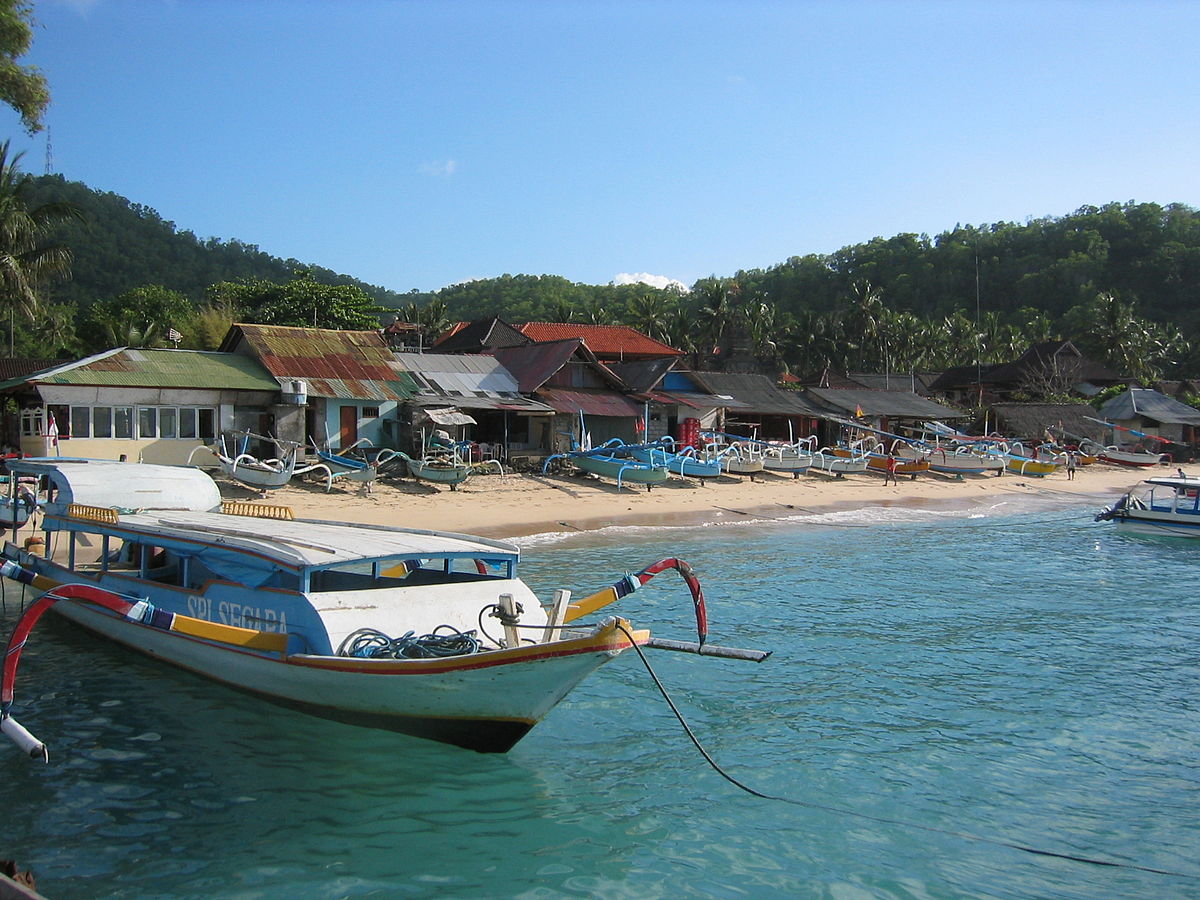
[[608, 342]]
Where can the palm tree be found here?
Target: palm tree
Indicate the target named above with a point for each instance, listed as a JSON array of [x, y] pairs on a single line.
[[649, 313], [25, 262]]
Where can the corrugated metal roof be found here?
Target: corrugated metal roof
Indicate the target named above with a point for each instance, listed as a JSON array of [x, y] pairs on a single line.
[[606, 341], [129, 367], [533, 365], [354, 365], [1149, 404], [12, 368], [480, 334], [757, 394], [463, 373], [882, 403], [592, 404]]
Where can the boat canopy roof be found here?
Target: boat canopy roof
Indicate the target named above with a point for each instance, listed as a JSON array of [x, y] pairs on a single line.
[[301, 543], [121, 485], [1187, 482]]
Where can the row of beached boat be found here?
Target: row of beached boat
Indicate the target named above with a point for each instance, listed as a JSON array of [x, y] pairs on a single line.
[[442, 462], [939, 449]]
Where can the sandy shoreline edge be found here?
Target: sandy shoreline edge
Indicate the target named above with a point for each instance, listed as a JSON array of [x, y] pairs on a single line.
[[518, 505]]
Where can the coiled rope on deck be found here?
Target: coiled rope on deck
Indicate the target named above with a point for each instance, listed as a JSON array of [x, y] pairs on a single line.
[[998, 842], [368, 643]]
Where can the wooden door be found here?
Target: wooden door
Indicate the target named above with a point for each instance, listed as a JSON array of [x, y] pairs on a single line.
[[347, 426]]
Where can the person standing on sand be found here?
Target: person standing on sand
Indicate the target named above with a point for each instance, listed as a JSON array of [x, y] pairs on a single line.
[[891, 472], [1072, 462]]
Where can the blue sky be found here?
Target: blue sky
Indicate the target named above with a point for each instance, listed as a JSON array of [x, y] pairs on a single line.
[[417, 144]]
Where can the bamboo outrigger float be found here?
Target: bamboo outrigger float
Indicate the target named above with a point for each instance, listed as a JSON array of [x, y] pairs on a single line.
[[422, 632]]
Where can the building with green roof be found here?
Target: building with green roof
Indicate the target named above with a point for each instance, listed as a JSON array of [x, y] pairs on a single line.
[[153, 405]]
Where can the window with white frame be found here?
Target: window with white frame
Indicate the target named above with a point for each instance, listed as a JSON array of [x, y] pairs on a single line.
[[187, 423]]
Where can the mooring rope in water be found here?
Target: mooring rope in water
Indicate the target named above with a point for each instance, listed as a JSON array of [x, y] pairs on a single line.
[[998, 842]]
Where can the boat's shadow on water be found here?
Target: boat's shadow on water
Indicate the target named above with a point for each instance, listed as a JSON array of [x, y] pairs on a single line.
[[158, 777]]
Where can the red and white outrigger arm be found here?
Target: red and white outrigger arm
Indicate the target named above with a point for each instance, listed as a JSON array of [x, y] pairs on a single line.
[[134, 609]]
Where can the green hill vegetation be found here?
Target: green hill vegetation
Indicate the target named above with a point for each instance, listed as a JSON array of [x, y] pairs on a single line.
[[1121, 280]]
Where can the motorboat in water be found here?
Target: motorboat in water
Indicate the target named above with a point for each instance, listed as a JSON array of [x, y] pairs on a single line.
[[1164, 505]]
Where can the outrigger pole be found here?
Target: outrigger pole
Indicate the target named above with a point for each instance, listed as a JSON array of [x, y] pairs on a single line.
[[1141, 434], [132, 608]]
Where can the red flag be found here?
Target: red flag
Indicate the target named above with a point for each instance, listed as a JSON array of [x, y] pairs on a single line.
[[52, 431]]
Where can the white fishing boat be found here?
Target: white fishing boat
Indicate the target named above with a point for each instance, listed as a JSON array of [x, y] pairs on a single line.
[[829, 461], [1167, 505], [238, 464], [794, 457], [422, 632], [735, 456]]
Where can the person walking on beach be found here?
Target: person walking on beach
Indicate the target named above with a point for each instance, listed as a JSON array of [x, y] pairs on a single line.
[[890, 475], [1072, 462]]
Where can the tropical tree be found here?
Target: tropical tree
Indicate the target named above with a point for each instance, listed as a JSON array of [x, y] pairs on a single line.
[[21, 87], [142, 317], [27, 261], [301, 302], [650, 312], [1108, 328], [717, 300]]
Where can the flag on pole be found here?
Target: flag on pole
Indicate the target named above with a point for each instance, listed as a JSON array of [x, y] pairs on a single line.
[[174, 336], [52, 433]]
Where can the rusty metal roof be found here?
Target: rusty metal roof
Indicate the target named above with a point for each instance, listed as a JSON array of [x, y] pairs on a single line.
[[347, 365], [608, 342], [598, 403]]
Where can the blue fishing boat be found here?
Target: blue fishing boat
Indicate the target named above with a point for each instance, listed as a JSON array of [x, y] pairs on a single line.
[[612, 460], [680, 460], [427, 633]]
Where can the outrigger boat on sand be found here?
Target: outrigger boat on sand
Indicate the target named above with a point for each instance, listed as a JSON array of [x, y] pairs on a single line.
[[736, 455], [680, 460], [1161, 505], [612, 460], [1135, 457], [248, 470], [421, 632]]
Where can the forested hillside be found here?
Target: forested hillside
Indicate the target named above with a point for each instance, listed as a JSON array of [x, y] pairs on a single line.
[[119, 245], [1121, 280]]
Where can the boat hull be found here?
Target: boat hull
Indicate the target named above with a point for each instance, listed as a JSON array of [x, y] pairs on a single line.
[[435, 474], [1162, 524], [1130, 459], [1034, 467], [834, 464], [955, 463], [622, 469], [485, 702], [687, 466]]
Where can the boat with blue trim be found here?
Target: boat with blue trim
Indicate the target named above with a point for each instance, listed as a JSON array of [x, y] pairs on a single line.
[[1166, 505], [423, 632]]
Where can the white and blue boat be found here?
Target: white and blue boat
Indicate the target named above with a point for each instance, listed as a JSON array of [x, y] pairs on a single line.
[[422, 632], [1168, 505]]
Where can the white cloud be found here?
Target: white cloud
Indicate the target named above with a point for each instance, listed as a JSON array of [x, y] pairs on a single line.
[[442, 168], [658, 281]]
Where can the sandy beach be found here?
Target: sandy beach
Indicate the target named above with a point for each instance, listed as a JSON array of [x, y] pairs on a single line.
[[514, 504]]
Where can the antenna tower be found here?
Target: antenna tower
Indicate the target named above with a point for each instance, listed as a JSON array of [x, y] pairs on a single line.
[[49, 153]]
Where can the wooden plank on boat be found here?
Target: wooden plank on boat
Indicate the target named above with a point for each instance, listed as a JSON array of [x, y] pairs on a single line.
[[257, 510], [104, 514]]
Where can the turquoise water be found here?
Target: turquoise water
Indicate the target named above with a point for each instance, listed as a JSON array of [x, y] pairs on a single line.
[[1017, 674]]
